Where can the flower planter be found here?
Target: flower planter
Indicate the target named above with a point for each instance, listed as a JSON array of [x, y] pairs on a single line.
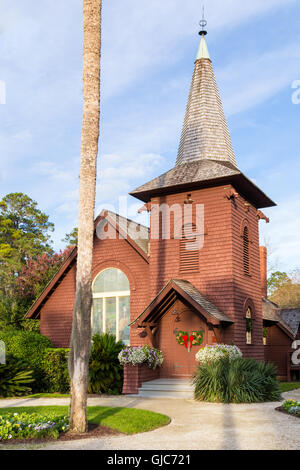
[[134, 376]]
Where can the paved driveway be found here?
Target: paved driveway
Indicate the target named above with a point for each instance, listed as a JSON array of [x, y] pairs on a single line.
[[194, 425]]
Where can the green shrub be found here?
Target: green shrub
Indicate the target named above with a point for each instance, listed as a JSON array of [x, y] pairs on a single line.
[[55, 367], [14, 378], [106, 373], [31, 325], [239, 380], [30, 425], [30, 347]]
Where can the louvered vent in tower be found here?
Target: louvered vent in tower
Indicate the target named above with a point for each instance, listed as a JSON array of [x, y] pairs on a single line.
[[246, 251], [189, 249]]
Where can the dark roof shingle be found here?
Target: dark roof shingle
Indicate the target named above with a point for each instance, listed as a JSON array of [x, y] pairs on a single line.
[[288, 318], [291, 316], [201, 174], [203, 302], [189, 292], [196, 171], [137, 232]]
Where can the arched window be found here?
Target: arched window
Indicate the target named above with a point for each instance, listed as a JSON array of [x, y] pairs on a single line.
[[249, 326], [111, 304], [246, 251], [189, 249]]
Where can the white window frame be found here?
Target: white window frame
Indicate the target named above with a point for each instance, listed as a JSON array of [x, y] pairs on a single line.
[[249, 333], [104, 295]]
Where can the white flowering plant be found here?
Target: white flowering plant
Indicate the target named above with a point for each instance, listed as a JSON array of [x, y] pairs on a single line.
[[136, 355], [217, 352], [30, 425]]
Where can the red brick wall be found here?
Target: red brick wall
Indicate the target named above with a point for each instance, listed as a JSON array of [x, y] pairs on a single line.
[[263, 271], [276, 349], [56, 315], [246, 286], [220, 277], [134, 376], [215, 258]]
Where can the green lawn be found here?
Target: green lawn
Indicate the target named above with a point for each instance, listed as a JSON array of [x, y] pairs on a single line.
[[126, 420], [48, 395], [39, 395], [287, 386]]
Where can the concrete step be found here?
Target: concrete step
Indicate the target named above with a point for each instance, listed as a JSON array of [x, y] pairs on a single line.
[[176, 387], [165, 394], [166, 388]]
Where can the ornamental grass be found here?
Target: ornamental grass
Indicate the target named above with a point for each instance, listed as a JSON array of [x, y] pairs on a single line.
[[237, 380]]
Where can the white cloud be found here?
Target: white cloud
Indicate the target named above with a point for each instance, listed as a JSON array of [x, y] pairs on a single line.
[[41, 60], [55, 171], [247, 83], [127, 172], [140, 35]]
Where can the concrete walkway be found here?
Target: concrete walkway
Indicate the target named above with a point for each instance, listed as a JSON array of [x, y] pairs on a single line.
[[194, 425]]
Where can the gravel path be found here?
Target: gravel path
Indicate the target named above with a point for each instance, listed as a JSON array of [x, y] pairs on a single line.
[[194, 425]]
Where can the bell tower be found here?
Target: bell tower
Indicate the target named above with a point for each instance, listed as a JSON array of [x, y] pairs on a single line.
[[224, 207]]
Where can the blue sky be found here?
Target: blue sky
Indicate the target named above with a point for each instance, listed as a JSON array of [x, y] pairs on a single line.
[[148, 55]]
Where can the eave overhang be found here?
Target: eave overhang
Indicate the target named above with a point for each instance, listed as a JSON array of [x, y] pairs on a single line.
[[245, 187], [172, 291]]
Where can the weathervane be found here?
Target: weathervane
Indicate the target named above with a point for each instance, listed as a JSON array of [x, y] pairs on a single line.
[[203, 23]]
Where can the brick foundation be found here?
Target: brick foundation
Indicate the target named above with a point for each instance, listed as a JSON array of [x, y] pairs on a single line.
[[134, 376]]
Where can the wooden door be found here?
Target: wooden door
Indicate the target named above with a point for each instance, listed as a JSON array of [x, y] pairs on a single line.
[[179, 358]]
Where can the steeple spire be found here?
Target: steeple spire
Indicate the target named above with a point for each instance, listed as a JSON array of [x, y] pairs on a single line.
[[205, 135], [203, 50]]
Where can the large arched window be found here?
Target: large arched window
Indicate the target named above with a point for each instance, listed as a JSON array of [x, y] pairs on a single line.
[[111, 304]]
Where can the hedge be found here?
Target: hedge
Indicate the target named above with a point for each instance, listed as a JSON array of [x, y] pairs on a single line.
[[55, 367], [49, 365], [30, 347]]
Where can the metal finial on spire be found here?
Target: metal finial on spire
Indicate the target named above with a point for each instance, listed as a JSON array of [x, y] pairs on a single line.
[[203, 23]]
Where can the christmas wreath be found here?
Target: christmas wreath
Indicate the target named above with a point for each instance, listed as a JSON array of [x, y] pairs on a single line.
[[185, 339], [198, 338], [182, 338]]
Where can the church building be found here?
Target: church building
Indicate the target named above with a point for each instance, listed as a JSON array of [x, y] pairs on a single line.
[[185, 282]]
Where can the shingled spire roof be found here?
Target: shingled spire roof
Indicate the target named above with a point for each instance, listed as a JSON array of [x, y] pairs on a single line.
[[205, 134], [205, 156]]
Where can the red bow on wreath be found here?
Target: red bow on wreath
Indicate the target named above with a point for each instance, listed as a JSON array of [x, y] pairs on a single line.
[[184, 338]]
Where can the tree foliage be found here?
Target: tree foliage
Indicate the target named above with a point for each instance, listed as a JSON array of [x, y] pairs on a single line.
[[27, 261], [284, 289], [71, 239], [106, 372], [38, 272], [24, 231]]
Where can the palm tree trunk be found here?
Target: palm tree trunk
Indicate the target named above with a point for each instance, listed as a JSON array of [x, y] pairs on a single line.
[[81, 328]]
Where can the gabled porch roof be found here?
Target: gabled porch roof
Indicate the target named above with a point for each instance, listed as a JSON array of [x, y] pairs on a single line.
[[178, 288]]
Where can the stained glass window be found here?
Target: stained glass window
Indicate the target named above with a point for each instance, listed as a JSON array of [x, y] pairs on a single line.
[[111, 304]]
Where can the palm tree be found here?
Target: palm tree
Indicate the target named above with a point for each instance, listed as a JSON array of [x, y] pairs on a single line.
[[81, 329]]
